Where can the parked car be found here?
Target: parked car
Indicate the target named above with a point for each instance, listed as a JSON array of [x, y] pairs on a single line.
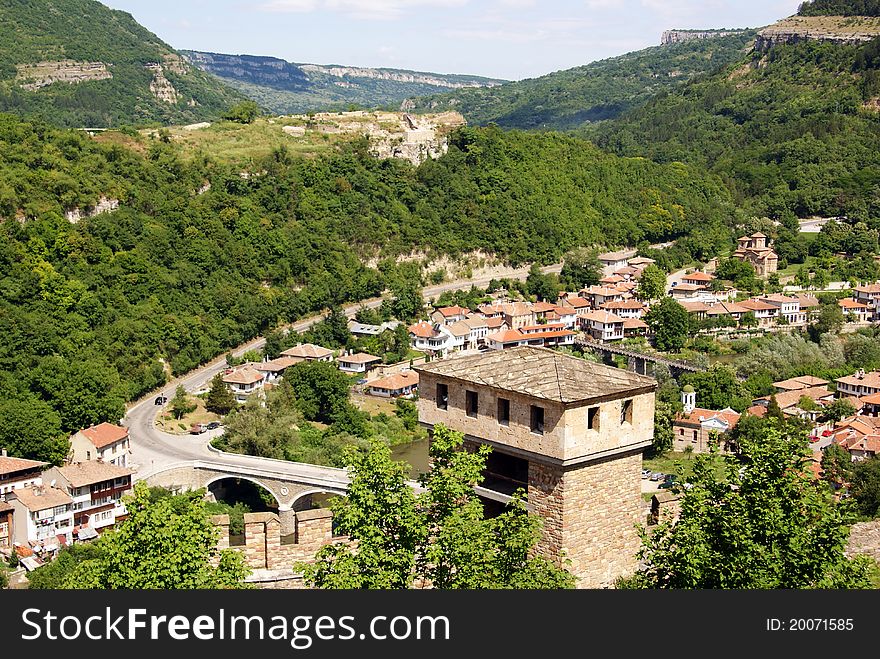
[[667, 485], [214, 425], [646, 473], [362, 381], [657, 475], [160, 400], [198, 428]]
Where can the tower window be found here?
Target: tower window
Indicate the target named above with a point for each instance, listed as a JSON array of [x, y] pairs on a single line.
[[536, 418], [503, 412], [626, 412], [471, 401], [593, 418], [442, 397]]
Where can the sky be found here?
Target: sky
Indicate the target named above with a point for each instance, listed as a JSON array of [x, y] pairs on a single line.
[[509, 39]]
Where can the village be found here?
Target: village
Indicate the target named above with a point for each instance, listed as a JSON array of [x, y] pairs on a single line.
[[44, 508]]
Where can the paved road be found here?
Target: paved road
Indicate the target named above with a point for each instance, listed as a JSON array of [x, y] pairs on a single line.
[[153, 450]]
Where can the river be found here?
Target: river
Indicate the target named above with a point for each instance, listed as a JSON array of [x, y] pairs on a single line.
[[415, 454]]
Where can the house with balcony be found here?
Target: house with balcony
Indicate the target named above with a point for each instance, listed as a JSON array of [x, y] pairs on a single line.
[[568, 432], [96, 490], [273, 369], [603, 325], [859, 384], [17, 473], [105, 441], [698, 278], [449, 315], [359, 363], [434, 339], [244, 382], [395, 386], [789, 308], [626, 308], [599, 295], [765, 313], [612, 261], [43, 518], [869, 295], [7, 525], [853, 311]]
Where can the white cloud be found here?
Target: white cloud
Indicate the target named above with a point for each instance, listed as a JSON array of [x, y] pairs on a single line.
[[369, 9]]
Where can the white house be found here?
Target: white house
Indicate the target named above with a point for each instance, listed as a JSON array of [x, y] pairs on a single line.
[[859, 384], [625, 308], [789, 308], [765, 313], [360, 362], [612, 261], [870, 296], [273, 369], [43, 517], [309, 352], [603, 325], [96, 490], [105, 441], [434, 339], [393, 386], [244, 382]]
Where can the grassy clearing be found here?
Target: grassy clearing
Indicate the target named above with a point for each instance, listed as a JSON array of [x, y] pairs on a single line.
[[680, 464], [372, 404], [167, 423]]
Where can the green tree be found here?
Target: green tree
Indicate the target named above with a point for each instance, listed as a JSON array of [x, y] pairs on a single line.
[[773, 409], [31, 429], [652, 283], [56, 573], [322, 390], [830, 320], [839, 408], [670, 323], [542, 286], [865, 486], [163, 545], [439, 536], [762, 524], [274, 344], [180, 404], [580, 268], [407, 412], [245, 112], [837, 465], [220, 399], [718, 387], [748, 319], [406, 301]]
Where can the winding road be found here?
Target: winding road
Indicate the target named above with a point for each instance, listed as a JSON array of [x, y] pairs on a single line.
[[153, 450]]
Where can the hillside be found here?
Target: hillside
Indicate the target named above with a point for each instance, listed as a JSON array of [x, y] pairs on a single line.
[[793, 130], [599, 91], [78, 63], [288, 88], [200, 255]]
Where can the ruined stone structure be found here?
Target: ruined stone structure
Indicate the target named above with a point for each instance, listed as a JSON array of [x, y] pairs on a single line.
[[567, 431], [270, 556]]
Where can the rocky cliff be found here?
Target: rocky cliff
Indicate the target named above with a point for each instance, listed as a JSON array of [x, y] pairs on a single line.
[[679, 36], [842, 29]]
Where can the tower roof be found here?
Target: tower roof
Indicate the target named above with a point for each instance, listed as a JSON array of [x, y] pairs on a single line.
[[542, 373]]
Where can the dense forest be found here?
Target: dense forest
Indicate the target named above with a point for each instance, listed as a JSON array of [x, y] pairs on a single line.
[[87, 31], [97, 312], [794, 130], [601, 90], [840, 8]]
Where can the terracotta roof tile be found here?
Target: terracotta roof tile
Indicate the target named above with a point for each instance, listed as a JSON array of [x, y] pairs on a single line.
[[397, 381], [41, 498], [90, 472], [10, 465], [307, 351], [104, 434], [246, 375]]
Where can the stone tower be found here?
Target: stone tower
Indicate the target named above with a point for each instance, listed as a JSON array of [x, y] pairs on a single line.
[[569, 432]]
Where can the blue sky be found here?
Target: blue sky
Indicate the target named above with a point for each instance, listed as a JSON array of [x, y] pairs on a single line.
[[510, 39]]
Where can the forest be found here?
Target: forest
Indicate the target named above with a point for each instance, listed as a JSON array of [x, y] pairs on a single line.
[[791, 131], [601, 90], [100, 311]]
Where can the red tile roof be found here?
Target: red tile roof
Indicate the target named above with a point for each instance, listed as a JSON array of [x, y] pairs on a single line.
[[244, 375], [105, 434], [455, 310], [506, 336], [422, 330], [397, 381], [359, 358], [11, 465], [307, 351], [758, 411], [698, 276], [700, 414], [543, 307]]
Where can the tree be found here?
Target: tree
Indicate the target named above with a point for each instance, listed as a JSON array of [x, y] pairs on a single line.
[[773, 409], [220, 399], [748, 319], [406, 301], [322, 390], [407, 412], [244, 113], [652, 283], [54, 574], [670, 323], [180, 404], [31, 429], [162, 544], [837, 465], [762, 524], [839, 408], [830, 320], [580, 268], [439, 537], [274, 344], [718, 387], [544, 287], [865, 486]]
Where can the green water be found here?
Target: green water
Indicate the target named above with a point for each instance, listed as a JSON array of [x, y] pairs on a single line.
[[415, 454]]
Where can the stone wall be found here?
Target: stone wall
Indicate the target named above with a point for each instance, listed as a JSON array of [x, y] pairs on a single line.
[[679, 36], [266, 555], [590, 515], [864, 539]]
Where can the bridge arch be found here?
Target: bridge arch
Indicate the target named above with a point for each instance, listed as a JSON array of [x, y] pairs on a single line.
[[220, 477], [313, 498]]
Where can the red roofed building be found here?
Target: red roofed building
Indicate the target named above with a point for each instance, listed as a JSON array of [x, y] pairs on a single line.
[[870, 296], [394, 386], [16, 473], [603, 325], [693, 428], [244, 381], [698, 278], [856, 312], [449, 315], [106, 442]]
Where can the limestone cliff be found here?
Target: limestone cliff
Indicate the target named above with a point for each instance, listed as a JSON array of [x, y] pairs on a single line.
[[680, 36], [842, 29], [36, 76]]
